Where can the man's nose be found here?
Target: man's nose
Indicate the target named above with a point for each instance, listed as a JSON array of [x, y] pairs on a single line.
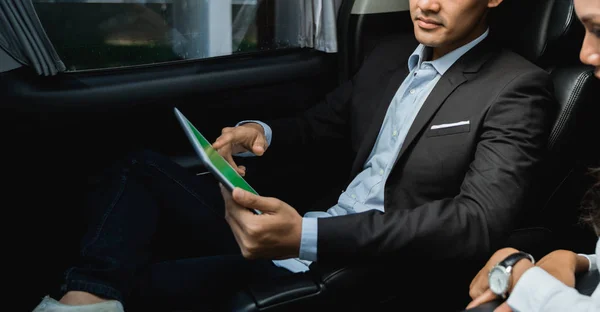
[[589, 53], [428, 5]]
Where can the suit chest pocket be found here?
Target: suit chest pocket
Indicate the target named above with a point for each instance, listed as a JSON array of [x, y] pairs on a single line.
[[448, 129]]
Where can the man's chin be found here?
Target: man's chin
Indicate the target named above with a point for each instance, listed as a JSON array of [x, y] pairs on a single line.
[[427, 39]]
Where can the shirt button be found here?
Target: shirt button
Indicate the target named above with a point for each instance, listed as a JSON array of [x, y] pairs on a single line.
[[395, 133], [354, 196], [412, 91], [381, 172]]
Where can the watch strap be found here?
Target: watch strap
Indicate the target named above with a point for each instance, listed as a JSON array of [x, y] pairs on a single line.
[[512, 259]]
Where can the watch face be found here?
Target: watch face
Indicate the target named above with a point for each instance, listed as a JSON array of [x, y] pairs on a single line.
[[498, 280]]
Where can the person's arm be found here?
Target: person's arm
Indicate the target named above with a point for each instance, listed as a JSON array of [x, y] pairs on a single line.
[[327, 120], [552, 276], [537, 290], [512, 142]]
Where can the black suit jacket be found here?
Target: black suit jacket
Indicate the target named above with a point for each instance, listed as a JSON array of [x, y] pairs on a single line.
[[453, 192]]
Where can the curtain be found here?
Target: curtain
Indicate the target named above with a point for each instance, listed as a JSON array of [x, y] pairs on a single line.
[[304, 23], [203, 28], [308, 23], [298, 23], [7, 62], [24, 39], [242, 21]]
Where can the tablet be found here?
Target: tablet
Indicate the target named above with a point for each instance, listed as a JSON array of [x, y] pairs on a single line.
[[211, 159]]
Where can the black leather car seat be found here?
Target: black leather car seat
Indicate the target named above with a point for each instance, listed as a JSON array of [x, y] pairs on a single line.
[[548, 33]]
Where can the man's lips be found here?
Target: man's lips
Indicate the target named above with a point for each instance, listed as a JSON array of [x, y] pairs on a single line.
[[426, 23]]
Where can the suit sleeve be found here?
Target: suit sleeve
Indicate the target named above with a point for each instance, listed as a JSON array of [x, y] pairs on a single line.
[[512, 141], [326, 120]]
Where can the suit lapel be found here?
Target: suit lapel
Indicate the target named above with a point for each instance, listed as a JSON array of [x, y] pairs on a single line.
[[463, 69], [373, 130], [445, 86]]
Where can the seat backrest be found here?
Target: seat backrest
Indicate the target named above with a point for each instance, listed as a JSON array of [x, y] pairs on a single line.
[[548, 33]]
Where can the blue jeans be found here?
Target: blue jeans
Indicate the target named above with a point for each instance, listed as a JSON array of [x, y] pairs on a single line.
[[157, 234]]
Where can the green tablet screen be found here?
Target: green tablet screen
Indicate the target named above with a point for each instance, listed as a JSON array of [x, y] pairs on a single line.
[[219, 163]]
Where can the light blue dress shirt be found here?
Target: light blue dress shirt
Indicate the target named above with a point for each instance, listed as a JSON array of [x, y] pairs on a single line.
[[366, 191]]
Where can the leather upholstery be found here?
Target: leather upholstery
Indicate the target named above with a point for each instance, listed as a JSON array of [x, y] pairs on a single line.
[[552, 39], [546, 32]]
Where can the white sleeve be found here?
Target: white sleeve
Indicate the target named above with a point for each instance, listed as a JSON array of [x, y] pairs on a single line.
[[538, 291]]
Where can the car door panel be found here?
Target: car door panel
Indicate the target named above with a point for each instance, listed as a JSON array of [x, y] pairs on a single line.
[[60, 131]]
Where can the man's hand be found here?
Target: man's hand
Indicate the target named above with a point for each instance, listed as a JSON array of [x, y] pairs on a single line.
[[274, 234], [243, 138]]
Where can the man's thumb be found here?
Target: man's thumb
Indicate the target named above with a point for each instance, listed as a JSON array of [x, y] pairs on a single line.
[[253, 201], [259, 146]]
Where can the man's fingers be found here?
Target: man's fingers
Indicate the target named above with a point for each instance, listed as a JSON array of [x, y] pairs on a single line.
[[239, 139], [226, 195], [241, 170], [235, 228], [487, 296], [503, 308], [225, 139], [234, 215]]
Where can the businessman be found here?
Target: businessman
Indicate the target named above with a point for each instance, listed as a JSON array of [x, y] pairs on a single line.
[[446, 132]]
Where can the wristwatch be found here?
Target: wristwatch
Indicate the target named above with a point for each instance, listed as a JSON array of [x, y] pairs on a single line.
[[499, 276]]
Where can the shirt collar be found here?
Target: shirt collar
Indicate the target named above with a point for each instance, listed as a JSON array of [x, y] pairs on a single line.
[[442, 64]]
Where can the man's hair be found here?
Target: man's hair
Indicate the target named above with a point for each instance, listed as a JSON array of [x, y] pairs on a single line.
[[591, 201]]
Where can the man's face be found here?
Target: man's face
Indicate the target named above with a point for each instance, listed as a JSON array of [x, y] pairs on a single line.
[[448, 24], [588, 12]]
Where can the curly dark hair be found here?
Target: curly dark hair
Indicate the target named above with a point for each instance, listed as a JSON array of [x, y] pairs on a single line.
[[591, 202]]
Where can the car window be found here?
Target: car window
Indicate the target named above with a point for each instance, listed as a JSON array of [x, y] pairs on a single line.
[[98, 34]]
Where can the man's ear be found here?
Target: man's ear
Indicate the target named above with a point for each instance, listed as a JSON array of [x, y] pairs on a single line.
[[494, 3]]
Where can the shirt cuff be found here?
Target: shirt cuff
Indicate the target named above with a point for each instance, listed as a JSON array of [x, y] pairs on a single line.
[[308, 242], [533, 290], [266, 129], [592, 260]]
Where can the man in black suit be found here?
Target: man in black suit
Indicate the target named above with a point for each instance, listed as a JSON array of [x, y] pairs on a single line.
[[446, 136]]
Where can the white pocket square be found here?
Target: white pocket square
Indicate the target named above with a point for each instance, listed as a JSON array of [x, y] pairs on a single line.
[[450, 125]]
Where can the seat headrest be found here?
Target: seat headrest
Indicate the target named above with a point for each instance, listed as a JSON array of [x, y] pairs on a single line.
[[547, 32]]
